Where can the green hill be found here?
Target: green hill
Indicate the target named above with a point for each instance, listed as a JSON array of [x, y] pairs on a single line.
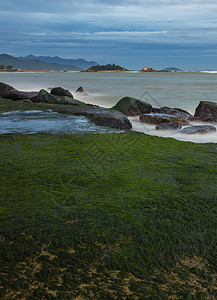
[[108, 67]]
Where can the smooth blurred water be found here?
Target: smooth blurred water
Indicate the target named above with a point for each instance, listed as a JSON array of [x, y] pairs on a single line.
[[175, 89]]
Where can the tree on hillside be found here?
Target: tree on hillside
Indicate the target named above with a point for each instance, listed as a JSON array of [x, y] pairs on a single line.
[[9, 67]]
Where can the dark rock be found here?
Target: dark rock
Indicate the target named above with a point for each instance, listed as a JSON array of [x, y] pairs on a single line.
[[58, 91], [6, 90], [107, 117], [29, 95], [198, 129], [169, 126], [15, 95], [178, 112], [157, 119], [93, 105], [155, 110], [9, 92], [132, 106], [80, 90], [206, 111]]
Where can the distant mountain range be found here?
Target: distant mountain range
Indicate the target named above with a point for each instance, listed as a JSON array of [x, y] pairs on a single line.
[[56, 63]]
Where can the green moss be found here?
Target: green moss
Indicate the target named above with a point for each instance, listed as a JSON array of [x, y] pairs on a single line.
[[10, 105], [127, 103], [92, 214]]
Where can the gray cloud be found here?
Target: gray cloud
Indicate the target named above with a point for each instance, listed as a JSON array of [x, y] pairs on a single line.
[[100, 27]]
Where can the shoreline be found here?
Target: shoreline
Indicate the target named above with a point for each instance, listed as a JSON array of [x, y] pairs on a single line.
[[106, 71]]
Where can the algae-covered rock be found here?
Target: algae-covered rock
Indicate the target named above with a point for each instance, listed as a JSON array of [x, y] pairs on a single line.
[[45, 97], [72, 101], [132, 107]]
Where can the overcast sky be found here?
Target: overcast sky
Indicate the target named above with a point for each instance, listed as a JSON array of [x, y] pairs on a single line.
[[132, 33]]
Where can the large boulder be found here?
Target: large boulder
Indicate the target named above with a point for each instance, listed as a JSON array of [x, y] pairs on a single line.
[[198, 129], [58, 91], [178, 112], [132, 107], [156, 119], [45, 97], [9, 92], [206, 111], [107, 117]]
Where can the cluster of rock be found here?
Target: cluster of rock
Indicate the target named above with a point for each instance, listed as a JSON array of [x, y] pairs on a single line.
[[164, 118], [99, 115], [9, 92], [167, 118]]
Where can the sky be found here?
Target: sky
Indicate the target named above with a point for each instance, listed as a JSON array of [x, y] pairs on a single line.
[[132, 33]]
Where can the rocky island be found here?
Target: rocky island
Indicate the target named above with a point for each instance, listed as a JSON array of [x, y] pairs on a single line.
[[108, 67]]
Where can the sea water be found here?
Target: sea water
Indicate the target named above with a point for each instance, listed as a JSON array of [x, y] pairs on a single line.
[[174, 89]]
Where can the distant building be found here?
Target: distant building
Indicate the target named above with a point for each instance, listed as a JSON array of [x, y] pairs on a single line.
[[148, 70]]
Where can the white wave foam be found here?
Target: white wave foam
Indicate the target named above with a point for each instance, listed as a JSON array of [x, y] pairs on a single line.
[[195, 138], [209, 72]]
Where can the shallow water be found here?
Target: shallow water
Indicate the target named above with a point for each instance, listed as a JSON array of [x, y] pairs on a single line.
[[34, 121]]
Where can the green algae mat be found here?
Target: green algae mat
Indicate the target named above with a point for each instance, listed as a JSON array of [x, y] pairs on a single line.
[[107, 216]]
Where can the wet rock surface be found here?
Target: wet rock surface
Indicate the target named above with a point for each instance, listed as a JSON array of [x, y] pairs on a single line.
[[202, 129], [178, 112], [158, 118], [113, 119]]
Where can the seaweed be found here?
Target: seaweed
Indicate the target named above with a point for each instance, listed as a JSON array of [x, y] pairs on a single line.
[[107, 216]]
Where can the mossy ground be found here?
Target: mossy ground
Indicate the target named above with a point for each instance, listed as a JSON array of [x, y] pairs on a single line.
[[107, 216]]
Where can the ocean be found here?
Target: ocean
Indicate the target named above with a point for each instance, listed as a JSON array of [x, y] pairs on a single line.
[[174, 89]]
